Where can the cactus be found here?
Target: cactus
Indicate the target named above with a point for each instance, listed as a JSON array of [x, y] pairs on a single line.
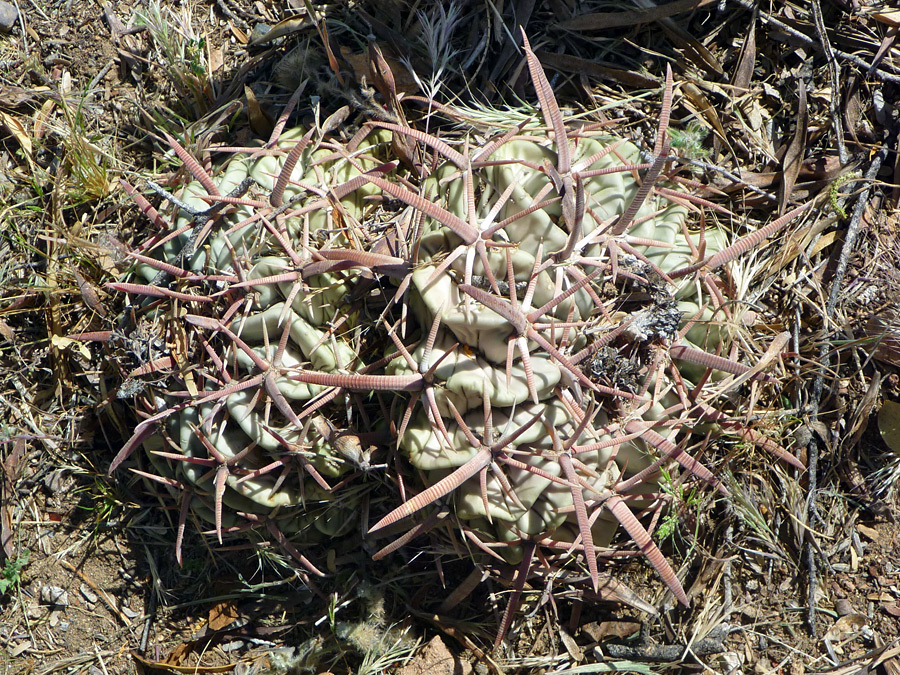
[[519, 333]]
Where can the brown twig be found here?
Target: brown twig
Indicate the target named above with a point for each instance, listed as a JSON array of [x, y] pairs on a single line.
[[834, 101]]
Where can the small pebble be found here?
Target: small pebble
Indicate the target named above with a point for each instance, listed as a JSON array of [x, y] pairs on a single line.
[[54, 595], [20, 648], [259, 31], [130, 613], [88, 594], [9, 15], [53, 480], [733, 661]]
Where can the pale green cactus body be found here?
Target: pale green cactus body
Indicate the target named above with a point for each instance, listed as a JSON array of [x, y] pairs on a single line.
[[242, 419], [577, 423], [477, 368], [312, 342], [467, 377], [539, 501], [301, 506], [321, 303]]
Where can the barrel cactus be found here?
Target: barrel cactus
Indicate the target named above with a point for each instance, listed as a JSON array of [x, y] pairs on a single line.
[[517, 329]]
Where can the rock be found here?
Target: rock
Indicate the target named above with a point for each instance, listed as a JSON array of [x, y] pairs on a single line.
[[435, 659], [88, 594], [9, 15], [54, 595]]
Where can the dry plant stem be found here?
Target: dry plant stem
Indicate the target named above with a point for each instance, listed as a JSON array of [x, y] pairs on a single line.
[[835, 81], [812, 514]]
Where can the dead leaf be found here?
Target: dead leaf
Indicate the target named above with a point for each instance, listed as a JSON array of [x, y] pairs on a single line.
[[89, 294], [164, 665], [793, 156], [844, 629], [292, 24], [61, 343], [859, 420], [260, 122], [41, 117], [613, 590], [8, 478], [216, 59], [881, 596], [566, 63], [571, 646], [605, 20], [13, 97], [702, 105], [743, 74], [17, 129], [20, 648], [335, 120], [176, 656], [889, 424], [180, 351], [222, 615], [239, 35], [868, 532], [611, 629], [890, 17], [381, 75], [7, 332]]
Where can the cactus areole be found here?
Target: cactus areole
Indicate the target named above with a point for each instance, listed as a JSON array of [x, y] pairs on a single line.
[[520, 334]]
